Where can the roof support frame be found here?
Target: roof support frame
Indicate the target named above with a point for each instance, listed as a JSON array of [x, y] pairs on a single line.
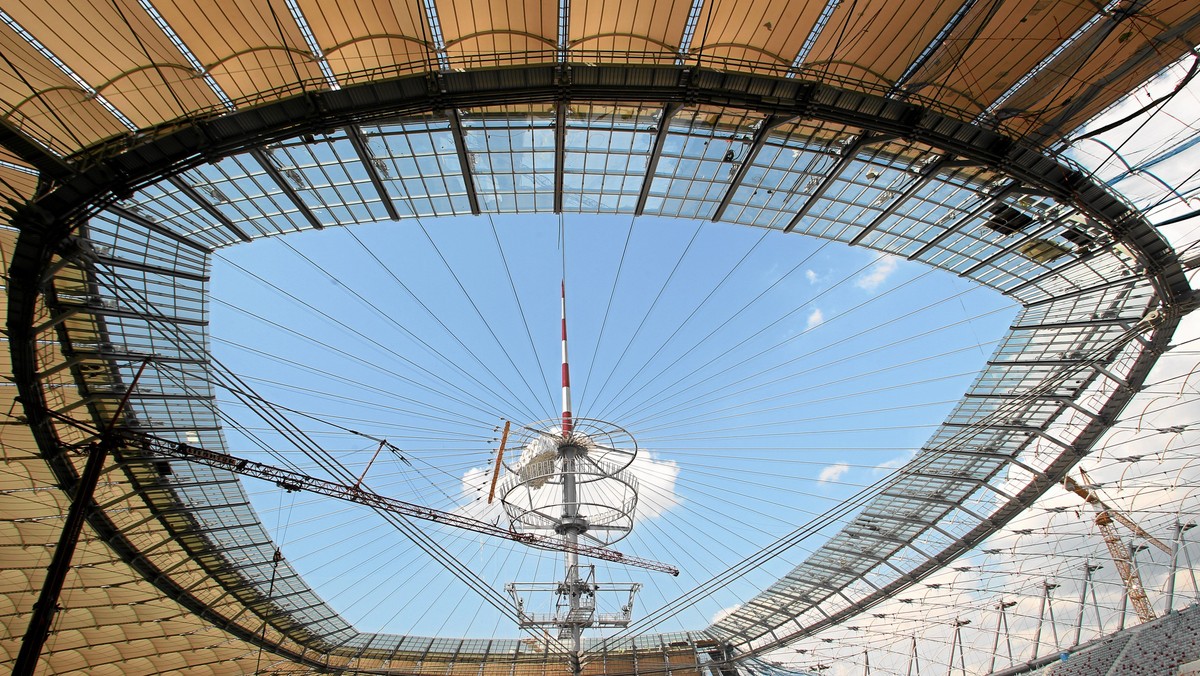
[[135, 357], [986, 454], [832, 569], [660, 139], [153, 513], [1039, 362], [848, 154], [147, 396], [182, 509], [901, 543], [923, 180], [268, 164], [760, 139], [1075, 324], [983, 483], [1102, 286], [208, 207], [988, 202], [1023, 239], [71, 361], [464, 157], [1080, 259], [158, 228], [364, 155], [846, 552], [931, 523], [1121, 382]]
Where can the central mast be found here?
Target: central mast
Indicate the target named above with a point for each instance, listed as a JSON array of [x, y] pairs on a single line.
[[572, 479], [572, 525]]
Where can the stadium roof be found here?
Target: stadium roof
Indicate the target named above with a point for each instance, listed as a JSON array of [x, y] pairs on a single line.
[[139, 137]]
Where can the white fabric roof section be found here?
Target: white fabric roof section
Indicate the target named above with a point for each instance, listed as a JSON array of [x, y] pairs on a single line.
[[179, 128]]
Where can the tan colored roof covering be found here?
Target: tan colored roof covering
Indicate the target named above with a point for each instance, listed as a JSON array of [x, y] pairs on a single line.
[[256, 49]]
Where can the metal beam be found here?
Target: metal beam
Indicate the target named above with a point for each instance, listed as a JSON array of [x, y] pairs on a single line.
[[158, 228], [832, 569], [992, 455], [901, 542], [134, 356], [865, 555], [760, 139], [29, 150], [560, 143], [923, 523], [1040, 362], [130, 314], [368, 161], [289, 191], [46, 606], [1075, 324], [1025, 429], [147, 396], [77, 357], [848, 154], [1102, 286], [660, 139], [1039, 278], [208, 207], [1054, 398], [124, 264], [464, 158]]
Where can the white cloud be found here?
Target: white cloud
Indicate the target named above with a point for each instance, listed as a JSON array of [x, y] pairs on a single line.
[[833, 472], [899, 461], [657, 480], [811, 276], [878, 274], [724, 613], [476, 483], [814, 318]]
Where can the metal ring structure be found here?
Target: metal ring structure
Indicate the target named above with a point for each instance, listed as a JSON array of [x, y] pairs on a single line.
[[1101, 294], [605, 442]]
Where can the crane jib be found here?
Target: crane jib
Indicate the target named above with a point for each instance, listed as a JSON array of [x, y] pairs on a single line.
[[291, 480]]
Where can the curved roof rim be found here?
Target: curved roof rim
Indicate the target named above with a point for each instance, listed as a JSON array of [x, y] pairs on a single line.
[[110, 177]]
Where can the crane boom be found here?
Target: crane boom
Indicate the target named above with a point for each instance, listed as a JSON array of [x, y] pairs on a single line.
[[297, 481], [1120, 518]]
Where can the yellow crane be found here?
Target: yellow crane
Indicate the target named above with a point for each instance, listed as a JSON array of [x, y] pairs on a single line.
[[1105, 516]]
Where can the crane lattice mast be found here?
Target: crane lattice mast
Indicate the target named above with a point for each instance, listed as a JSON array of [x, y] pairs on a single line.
[[1116, 548]]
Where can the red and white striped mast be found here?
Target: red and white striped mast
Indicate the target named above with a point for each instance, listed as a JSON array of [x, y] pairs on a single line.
[[566, 371]]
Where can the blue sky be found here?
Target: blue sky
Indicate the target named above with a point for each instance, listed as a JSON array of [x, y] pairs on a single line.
[[765, 376]]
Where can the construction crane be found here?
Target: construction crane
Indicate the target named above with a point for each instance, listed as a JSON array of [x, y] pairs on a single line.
[[1105, 516], [291, 480]]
